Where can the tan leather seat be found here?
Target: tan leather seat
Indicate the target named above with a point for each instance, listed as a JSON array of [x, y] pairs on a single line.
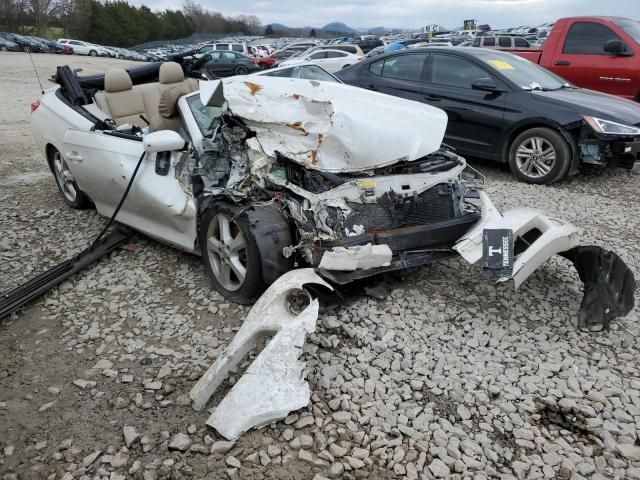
[[160, 103], [120, 100]]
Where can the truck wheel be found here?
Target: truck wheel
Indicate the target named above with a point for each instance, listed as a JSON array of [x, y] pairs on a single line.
[[230, 253], [540, 156], [71, 193]]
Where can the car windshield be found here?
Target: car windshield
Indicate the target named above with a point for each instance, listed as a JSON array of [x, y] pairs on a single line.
[[631, 28], [525, 74], [204, 116]]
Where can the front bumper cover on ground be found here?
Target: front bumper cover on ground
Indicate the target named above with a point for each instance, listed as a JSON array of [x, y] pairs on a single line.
[[609, 284]]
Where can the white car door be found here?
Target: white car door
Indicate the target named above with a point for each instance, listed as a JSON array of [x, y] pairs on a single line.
[[319, 58], [336, 60], [157, 205], [79, 48]]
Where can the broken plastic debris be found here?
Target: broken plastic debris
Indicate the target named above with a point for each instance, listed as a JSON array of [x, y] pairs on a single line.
[[273, 385], [361, 257]]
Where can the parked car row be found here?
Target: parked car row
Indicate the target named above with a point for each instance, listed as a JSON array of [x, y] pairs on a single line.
[[13, 42]]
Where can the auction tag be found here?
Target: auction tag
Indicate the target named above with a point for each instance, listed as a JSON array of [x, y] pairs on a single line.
[[497, 252]]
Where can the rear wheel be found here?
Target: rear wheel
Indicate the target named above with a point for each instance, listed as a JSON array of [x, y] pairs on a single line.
[[230, 253], [540, 156], [93, 53], [71, 193], [241, 70]]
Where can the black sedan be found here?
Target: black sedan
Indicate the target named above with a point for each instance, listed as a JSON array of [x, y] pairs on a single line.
[[505, 108], [223, 63]]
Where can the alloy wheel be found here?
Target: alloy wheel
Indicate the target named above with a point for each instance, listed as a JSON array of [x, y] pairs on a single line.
[[535, 157], [64, 177], [227, 250]]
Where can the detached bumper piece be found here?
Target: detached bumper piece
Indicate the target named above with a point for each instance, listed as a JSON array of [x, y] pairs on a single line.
[[609, 284], [273, 385]]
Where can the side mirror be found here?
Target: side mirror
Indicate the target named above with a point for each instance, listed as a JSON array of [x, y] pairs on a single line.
[[614, 46], [163, 141], [485, 84]]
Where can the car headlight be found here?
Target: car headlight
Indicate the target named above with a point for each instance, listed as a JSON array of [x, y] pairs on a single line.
[[610, 128]]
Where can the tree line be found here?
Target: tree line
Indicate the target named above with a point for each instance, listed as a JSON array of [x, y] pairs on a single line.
[[117, 23]]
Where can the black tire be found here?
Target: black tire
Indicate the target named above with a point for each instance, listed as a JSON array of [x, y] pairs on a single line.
[[241, 70], [3, 48], [216, 259], [93, 53], [345, 66], [263, 66], [26, 49], [78, 200], [540, 156]]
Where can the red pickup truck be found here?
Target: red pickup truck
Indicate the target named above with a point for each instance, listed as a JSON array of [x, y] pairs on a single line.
[[599, 53]]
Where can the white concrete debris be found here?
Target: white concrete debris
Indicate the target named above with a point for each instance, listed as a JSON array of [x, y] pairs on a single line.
[[329, 126], [273, 384], [360, 257]]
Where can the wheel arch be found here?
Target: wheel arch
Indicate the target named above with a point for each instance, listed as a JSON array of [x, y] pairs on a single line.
[[569, 137]]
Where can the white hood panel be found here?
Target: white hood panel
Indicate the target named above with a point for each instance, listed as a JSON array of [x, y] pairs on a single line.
[[333, 127]]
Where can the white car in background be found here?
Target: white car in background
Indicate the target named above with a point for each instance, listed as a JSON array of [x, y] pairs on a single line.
[[330, 60], [84, 48]]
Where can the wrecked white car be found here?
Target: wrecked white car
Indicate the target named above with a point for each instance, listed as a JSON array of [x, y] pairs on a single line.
[[262, 175]]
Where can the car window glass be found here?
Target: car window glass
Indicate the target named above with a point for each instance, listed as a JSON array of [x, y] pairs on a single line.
[[489, 42], [237, 48], [222, 46], [404, 67], [376, 67], [206, 48], [455, 71], [216, 55], [336, 54], [73, 42], [520, 42], [631, 28], [203, 115], [476, 42], [504, 42], [318, 55], [228, 55], [585, 38]]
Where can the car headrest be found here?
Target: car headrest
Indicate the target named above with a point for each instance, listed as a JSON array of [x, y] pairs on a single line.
[[168, 104], [117, 80], [171, 72]]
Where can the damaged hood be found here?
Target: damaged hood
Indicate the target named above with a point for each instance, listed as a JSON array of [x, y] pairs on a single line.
[[329, 126]]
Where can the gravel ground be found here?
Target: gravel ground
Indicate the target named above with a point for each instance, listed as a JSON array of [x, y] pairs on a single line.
[[439, 375]]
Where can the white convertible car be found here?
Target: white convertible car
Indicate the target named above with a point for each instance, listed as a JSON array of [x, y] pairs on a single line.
[[260, 175]]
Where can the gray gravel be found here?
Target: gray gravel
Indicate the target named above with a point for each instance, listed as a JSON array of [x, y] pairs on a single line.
[[444, 376]]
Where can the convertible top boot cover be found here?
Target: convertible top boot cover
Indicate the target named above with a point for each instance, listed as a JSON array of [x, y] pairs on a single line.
[[329, 126], [609, 284], [273, 385]]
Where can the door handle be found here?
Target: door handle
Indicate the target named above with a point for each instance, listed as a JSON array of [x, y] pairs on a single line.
[[74, 157], [562, 63], [432, 98]]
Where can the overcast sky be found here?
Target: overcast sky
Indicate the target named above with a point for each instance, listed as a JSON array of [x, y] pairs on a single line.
[[412, 13]]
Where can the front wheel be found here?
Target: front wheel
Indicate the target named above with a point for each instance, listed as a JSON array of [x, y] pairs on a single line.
[[230, 253], [93, 53], [26, 49], [241, 70], [71, 193], [539, 156], [263, 66], [3, 48]]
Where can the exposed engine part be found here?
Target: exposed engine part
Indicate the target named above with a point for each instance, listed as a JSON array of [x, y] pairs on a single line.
[[591, 153]]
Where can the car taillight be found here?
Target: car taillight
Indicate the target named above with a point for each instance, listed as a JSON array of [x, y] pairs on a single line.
[[34, 105]]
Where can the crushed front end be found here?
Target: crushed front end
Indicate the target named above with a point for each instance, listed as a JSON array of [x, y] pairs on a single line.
[[329, 188]]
